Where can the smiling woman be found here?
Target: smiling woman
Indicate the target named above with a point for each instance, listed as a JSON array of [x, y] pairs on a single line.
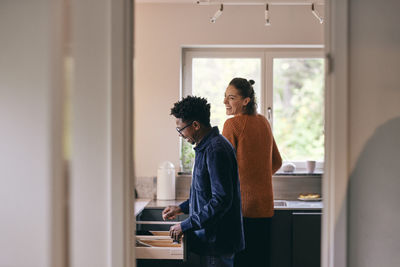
[[258, 158], [234, 102]]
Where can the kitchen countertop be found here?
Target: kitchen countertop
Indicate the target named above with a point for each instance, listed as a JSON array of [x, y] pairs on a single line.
[[288, 204], [140, 204], [300, 205]]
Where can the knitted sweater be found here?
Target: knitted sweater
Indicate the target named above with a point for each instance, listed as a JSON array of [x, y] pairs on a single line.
[[258, 158]]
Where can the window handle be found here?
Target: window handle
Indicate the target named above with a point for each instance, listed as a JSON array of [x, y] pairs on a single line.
[[269, 114]]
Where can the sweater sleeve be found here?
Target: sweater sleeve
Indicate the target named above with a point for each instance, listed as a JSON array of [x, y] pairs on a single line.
[[276, 158], [228, 133]]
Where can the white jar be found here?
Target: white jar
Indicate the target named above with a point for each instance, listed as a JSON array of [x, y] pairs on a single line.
[[166, 181]]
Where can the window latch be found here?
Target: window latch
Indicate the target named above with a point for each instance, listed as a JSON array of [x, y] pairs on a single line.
[[269, 114]]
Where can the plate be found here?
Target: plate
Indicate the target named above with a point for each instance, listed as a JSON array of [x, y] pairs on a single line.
[[309, 199]]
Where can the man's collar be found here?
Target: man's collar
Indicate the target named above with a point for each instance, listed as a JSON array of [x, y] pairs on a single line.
[[203, 143]]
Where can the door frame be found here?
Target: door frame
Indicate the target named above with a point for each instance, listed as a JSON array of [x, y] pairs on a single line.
[[121, 130], [336, 172], [102, 134]]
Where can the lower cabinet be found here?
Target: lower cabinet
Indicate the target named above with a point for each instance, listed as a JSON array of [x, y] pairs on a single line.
[[281, 236], [151, 230], [306, 239], [295, 239]]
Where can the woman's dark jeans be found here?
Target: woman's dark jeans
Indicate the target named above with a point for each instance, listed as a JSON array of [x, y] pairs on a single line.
[[257, 240]]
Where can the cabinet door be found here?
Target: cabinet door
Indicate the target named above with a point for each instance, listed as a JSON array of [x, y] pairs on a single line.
[[306, 239], [281, 236]]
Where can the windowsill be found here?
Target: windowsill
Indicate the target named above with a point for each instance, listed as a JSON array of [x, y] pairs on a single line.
[[316, 174], [281, 174]]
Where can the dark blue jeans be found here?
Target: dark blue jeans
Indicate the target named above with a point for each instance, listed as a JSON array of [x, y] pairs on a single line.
[[217, 261]]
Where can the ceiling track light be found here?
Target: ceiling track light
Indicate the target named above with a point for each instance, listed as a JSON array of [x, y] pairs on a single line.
[[217, 14], [314, 11], [267, 22], [267, 19]]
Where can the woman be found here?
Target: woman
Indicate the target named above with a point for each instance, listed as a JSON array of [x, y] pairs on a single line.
[[258, 158]]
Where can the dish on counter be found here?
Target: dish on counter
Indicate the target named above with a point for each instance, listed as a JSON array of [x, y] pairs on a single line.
[[309, 197]]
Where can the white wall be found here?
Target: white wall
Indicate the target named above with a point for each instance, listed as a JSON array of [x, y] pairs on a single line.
[[160, 32], [374, 188]]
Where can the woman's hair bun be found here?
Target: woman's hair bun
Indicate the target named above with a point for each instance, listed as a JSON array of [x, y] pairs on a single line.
[[252, 82]]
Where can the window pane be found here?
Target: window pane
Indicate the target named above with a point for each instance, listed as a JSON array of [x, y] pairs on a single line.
[[210, 77], [298, 104]]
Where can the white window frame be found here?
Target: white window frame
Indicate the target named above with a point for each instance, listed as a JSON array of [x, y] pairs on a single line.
[[268, 100], [266, 55], [189, 54]]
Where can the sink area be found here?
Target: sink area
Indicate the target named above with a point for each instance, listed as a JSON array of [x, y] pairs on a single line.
[[290, 204], [280, 203]]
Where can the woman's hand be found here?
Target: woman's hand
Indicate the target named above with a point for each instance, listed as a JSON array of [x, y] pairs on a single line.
[[170, 212]]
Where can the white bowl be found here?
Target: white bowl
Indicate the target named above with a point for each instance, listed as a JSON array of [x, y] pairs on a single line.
[[288, 167]]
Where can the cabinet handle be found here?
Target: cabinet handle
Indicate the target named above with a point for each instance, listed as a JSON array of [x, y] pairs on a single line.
[[157, 222], [307, 213]]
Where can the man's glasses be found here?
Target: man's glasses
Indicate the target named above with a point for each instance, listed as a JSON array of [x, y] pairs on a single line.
[[180, 130]]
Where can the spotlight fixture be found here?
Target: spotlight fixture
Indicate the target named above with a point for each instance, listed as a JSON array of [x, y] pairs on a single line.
[[217, 14], [314, 11], [267, 22]]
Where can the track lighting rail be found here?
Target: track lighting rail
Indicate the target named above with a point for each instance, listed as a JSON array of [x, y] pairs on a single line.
[[267, 19]]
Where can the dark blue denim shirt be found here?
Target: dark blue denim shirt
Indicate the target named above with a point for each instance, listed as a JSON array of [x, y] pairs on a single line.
[[214, 225]]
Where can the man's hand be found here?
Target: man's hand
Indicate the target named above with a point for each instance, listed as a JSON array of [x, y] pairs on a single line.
[[175, 232], [170, 212]]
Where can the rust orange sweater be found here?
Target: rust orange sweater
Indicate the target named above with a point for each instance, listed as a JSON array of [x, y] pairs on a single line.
[[258, 158]]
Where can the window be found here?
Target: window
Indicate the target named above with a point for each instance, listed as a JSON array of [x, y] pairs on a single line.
[[289, 87], [298, 95]]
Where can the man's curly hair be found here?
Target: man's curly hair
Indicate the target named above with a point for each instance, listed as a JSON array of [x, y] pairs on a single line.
[[192, 108]]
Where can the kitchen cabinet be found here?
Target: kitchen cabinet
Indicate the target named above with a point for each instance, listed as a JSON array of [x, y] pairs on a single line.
[[159, 245], [306, 239], [281, 236], [154, 215], [296, 238]]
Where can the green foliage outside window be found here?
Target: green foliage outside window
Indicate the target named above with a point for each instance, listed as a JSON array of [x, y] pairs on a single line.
[[187, 157], [298, 110]]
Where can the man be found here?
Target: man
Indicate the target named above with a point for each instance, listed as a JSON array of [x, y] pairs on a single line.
[[214, 228]]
